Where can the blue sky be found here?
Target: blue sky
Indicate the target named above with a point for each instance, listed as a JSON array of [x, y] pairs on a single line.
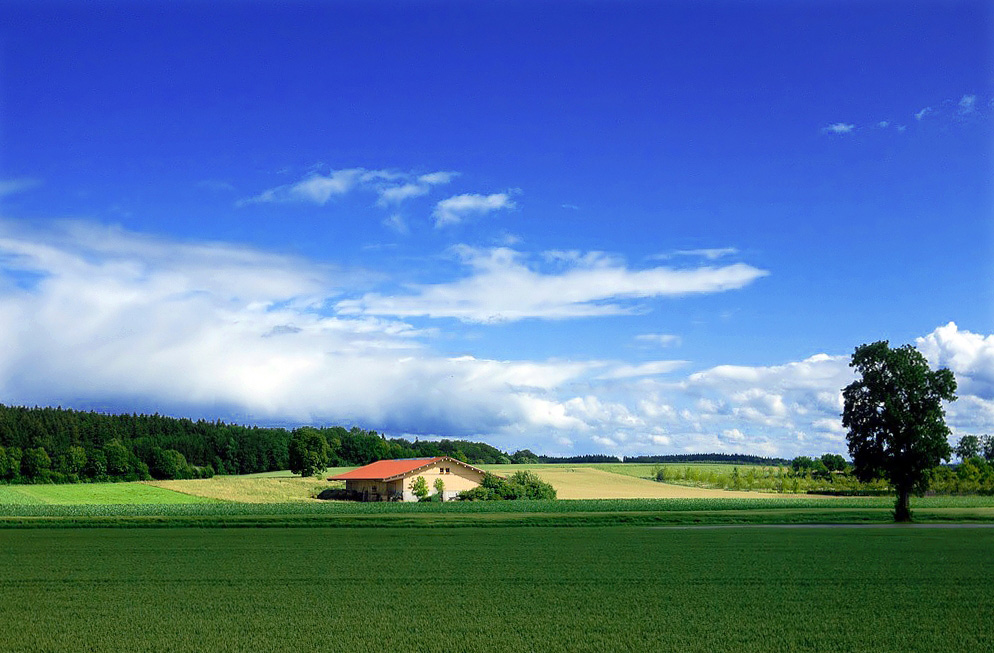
[[614, 227]]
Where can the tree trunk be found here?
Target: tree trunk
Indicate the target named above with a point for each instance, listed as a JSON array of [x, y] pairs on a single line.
[[902, 509]]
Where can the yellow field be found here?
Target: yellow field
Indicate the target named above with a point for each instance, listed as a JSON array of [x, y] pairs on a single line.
[[571, 482], [250, 489], [590, 483]]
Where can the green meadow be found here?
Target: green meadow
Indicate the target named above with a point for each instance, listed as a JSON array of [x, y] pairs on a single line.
[[618, 588], [92, 494]]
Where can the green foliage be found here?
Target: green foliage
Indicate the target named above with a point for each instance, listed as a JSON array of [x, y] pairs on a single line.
[[894, 416], [123, 447], [309, 452], [169, 464], [419, 487], [439, 487], [987, 447], [967, 447], [524, 457], [35, 464], [833, 462], [520, 485]]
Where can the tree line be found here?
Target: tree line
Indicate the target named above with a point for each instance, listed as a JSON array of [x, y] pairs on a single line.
[[57, 445]]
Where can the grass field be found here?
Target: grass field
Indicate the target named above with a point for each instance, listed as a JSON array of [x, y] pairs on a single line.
[[572, 513], [93, 493], [497, 589], [249, 489]]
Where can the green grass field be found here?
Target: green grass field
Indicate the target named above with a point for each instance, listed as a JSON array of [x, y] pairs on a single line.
[[498, 589], [93, 494], [770, 509]]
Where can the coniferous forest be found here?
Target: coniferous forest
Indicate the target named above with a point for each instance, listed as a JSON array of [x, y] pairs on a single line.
[[57, 445]]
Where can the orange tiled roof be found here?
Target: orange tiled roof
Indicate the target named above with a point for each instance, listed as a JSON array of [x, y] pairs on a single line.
[[384, 469]]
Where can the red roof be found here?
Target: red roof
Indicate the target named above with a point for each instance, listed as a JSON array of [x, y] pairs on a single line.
[[382, 470]]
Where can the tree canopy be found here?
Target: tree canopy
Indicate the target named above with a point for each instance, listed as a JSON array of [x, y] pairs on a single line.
[[894, 416]]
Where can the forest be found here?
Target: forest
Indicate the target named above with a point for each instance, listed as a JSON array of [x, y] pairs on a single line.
[[57, 445]]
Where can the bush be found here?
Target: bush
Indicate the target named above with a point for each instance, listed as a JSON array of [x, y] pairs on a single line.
[[520, 485]]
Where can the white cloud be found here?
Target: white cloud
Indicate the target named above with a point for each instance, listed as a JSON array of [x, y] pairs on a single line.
[[967, 104], [391, 186], [214, 328], [642, 369], [710, 254], [839, 128], [969, 355], [660, 339], [110, 317], [455, 209], [437, 178], [883, 124], [397, 223], [502, 287], [397, 194], [924, 112], [734, 435]]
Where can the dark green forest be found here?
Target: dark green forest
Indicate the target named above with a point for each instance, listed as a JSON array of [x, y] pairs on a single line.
[[57, 445]]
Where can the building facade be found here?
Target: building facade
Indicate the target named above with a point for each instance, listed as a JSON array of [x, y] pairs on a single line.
[[393, 480]]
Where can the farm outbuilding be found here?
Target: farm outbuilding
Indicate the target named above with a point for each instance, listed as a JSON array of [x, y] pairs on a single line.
[[391, 480]]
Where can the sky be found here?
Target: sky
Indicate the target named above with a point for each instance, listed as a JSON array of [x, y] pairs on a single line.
[[576, 227]]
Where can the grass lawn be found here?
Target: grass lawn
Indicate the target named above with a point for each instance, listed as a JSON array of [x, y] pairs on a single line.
[[497, 589], [93, 493]]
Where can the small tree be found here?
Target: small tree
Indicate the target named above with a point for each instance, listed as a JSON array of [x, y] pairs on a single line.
[[833, 462], [895, 420], [440, 488], [967, 447], [420, 488]]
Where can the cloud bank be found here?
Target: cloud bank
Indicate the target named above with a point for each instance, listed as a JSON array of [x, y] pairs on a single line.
[[97, 316]]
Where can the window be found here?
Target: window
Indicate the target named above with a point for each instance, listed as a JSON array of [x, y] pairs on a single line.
[[374, 488]]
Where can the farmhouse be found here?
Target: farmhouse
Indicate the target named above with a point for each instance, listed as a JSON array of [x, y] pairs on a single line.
[[391, 480]]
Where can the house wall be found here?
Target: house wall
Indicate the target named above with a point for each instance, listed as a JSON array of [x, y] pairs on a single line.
[[376, 490], [457, 480]]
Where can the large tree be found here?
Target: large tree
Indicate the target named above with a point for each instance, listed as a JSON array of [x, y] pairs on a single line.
[[894, 415], [309, 452]]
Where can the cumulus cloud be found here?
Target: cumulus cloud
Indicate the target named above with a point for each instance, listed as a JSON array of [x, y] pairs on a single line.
[[96, 315], [839, 128], [969, 355], [209, 328], [392, 187], [503, 285], [456, 209]]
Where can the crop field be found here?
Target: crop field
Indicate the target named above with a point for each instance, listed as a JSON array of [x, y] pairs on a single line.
[[498, 589], [770, 509], [249, 489], [93, 493], [576, 482]]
